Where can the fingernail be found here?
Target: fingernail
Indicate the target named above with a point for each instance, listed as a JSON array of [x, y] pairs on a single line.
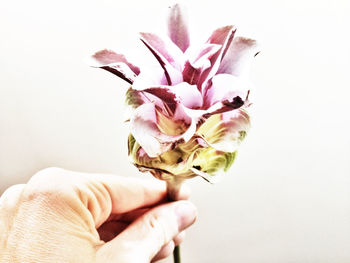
[[186, 214]]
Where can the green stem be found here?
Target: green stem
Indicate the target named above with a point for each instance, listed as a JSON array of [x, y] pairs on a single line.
[[173, 190], [176, 254]]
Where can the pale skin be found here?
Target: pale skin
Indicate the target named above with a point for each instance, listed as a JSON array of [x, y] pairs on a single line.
[[64, 216]]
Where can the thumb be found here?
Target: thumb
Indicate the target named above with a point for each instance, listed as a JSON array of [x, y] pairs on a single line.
[[145, 237]]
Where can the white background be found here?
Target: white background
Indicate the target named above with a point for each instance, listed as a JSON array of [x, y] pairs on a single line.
[[287, 198]]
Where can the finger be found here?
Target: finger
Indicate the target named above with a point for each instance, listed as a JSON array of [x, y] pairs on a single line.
[[9, 199], [145, 237], [110, 229], [8, 206], [103, 194], [124, 195], [168, 249], [128, 194], [165, 251]]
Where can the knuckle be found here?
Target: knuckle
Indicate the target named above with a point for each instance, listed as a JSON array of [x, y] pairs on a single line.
[[39, 193], [11, 196], [46, 185], [47, 174]]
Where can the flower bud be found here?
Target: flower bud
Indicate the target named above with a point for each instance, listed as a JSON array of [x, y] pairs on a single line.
[[189, 115]]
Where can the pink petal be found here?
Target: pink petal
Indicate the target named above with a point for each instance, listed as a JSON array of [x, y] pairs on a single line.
[[220, 107], [169, 56], [190, 74], [164, 48], [177, 26], [136, 98], [150, 76], [181, 115], [166, 102], [166, 96], [105, 57], [163, 98], [225, 87], [183, 93], [221, 36], [201, 59], [239, 56], [116, 64], [188, 95], [192, 124], [146, 132], [198, 62], [224, 106]]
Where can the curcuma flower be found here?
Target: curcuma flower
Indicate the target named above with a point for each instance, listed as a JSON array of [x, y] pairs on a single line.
[[190, 114]]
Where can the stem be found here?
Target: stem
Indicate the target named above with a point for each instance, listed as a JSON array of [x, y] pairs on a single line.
[[173, 188], [176, 254], [173, 191]]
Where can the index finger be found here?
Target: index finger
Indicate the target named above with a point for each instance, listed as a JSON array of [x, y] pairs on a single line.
[[128, 194], [103, 194]]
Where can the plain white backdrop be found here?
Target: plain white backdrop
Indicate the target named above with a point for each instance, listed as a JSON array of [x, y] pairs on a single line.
[[287, 197]]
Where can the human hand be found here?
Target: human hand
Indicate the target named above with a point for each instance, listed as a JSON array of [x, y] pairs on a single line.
[[64, 216]]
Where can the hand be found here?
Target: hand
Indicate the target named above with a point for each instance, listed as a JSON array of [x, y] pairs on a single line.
[[63, 216]]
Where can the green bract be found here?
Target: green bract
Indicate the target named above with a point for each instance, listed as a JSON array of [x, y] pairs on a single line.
[[192, 158]]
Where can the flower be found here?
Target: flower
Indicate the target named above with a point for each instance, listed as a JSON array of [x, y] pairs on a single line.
[[189, 115]]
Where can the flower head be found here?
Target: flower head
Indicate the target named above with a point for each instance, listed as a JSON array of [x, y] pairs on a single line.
[[190, 114]]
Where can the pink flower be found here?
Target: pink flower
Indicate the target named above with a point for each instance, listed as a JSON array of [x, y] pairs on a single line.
[[189, 115]]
